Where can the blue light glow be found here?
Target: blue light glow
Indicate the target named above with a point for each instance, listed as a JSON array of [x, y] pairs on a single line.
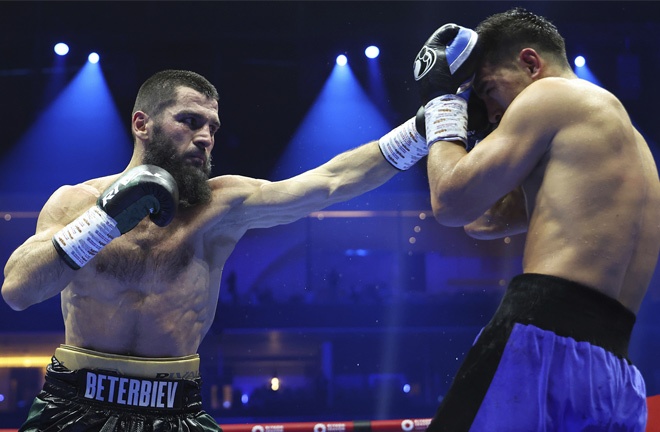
[[586, 74], [77, 137], [342, 60], [61, 49], [341, 118], [406, 388], [245, 398], [579, 61], [372, 52], [93, 58]]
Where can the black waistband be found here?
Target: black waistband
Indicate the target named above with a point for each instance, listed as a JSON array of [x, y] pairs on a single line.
[[568, 309], [106, 388]]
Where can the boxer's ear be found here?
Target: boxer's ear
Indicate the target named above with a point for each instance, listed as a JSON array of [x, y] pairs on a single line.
[[139, 125], [530, 60]]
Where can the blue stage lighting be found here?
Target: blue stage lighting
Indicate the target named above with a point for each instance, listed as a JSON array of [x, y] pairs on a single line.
[[583, 71], [342, 60], [579, 61], [406, 388], [245, 398], [83, 109], [61, 49], [93, 58], [372, 52]]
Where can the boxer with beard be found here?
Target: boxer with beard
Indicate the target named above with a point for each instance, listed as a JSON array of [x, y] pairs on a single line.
[[190, 178], [137, 259]]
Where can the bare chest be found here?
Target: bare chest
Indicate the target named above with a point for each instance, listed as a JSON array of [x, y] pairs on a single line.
[[147, 255]]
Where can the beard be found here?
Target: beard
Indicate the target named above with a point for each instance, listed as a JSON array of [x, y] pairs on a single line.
[[192, 181]]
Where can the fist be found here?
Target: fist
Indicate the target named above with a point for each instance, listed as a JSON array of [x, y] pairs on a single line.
[[446, 63]]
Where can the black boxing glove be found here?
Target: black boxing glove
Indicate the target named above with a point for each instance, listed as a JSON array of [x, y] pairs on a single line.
[[478, 125], [444, 69], [140, 191], [405, 145]]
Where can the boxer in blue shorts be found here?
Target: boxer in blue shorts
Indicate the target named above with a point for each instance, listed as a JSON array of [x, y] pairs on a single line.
[[554, 357], [564, 165]]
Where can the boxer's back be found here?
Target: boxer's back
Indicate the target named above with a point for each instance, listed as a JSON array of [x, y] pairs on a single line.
[[594, 200]]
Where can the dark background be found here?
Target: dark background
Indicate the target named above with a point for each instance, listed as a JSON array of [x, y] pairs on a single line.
[[312, 310], [270, 59]]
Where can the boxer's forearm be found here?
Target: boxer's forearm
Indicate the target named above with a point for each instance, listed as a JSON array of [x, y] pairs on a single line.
[[448, 185], [34, 273], [507, 217], [357, 171]]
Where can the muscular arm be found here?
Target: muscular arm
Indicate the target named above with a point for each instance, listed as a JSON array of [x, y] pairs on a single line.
[[507, 217], [465, 185], [34, 271], [263, 204]]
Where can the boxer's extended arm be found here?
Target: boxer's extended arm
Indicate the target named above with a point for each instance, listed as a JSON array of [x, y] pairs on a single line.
[[507, 217], [35, 271], [264, 204]]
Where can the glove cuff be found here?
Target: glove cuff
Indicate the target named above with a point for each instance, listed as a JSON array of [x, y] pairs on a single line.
[[82, 239], [446, 119], [403, 146]]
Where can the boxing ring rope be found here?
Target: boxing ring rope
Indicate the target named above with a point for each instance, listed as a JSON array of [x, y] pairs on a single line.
[[402, 425]]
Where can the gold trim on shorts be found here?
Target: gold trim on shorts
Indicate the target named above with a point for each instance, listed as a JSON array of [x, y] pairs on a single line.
[[75, 358]]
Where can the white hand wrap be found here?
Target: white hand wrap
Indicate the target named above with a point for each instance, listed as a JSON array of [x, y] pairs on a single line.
[[446, 119], [83, 238], [403, 146]]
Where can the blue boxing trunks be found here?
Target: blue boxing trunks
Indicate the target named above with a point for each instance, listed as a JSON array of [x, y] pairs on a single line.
[[553, 358], [93, 391]]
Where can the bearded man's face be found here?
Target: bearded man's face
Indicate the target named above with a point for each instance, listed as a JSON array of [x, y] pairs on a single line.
[[190, 174]]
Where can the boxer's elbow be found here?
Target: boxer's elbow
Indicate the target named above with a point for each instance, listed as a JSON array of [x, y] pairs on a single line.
[[11, 294], [449, 212], [14, 302], [484, 228], [482, 232]]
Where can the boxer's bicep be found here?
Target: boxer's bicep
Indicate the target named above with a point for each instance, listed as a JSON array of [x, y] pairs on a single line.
[[276, 203], [34, 271]]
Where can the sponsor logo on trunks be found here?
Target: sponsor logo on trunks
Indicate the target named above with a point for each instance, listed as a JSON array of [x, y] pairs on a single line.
[[130, 391], [190, 375]]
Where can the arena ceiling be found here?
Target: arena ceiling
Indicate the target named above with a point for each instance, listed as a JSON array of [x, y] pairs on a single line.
[[270, 59]]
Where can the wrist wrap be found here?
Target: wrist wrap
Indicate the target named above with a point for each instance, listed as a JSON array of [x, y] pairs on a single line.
[[446, 119], [403, 146], [82, 239]]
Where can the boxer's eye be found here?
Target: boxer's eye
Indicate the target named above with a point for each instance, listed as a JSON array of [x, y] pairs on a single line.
[[191, 122]]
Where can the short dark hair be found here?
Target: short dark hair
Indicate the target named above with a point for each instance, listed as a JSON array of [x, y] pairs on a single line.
[[503, 35], [159, 90]]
